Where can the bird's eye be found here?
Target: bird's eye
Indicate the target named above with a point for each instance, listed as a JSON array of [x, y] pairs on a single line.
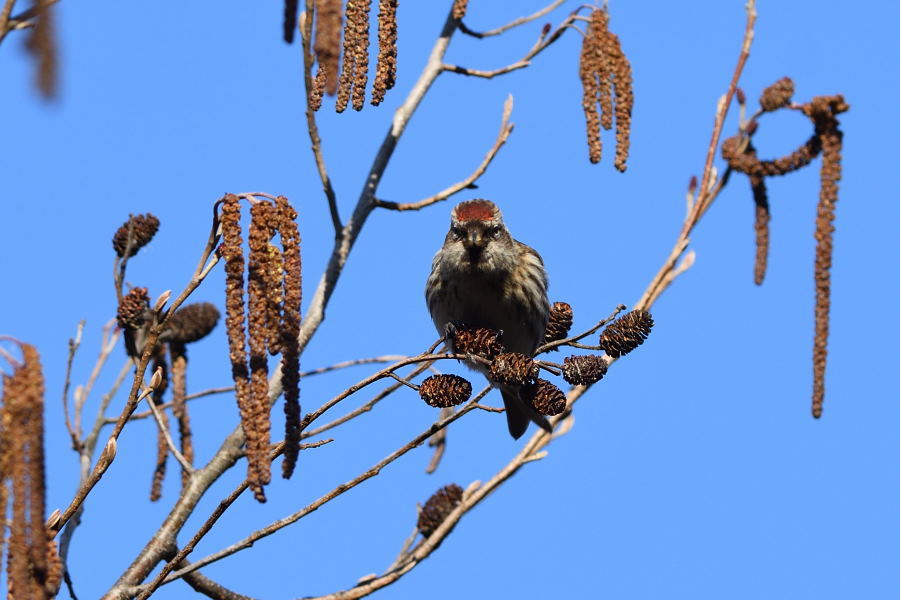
[[494, 232], [456, 232]]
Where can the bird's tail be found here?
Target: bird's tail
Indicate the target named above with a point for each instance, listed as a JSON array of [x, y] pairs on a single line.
[[518, 412]]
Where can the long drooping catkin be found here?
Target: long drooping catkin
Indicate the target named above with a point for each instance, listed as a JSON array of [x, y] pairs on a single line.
[[257, 293], [290, 330], [823, 111], [386, 70], [29, 562], [328, 41]]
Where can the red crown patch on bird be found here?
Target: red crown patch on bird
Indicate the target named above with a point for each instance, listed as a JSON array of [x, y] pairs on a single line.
[[476, 210]]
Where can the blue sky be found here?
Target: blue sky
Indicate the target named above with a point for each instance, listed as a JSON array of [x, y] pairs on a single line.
[[694, 469]]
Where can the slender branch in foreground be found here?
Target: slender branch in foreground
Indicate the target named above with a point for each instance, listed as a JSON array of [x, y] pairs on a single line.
[[334, 493], [709, 188], [145, 591], [516, 23]]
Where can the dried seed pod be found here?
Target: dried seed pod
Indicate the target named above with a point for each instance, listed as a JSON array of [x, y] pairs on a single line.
[[481, 342], [559, 323], [133, 308], [544, 397], [436, 509], [142, 229], [777, 95], [626, 333], [442, 391], [190, 323], [584, 370], [513, 368]]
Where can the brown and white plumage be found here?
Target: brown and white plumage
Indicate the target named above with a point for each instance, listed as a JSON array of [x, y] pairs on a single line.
[[482, 277]]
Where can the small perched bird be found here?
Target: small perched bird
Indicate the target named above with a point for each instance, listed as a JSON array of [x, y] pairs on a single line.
[[482, 277]]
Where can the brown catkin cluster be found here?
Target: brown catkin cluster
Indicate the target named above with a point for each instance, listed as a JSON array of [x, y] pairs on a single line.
[[479, 341], [741, 156], [273, 305], [777, 95], [386, 70], [513, 368], [584, 370], [823, 110], [290, 330], [626, 333], [191, 322], [606, 81], [442, 391], [32, 571], [355, 67], [41, 43], [544, 397], [141, 228], [559, 323], [436, 509], [328, 41], [289, 23]]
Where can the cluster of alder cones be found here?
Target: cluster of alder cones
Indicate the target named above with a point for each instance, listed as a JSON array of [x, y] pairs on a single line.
[[619, 338]]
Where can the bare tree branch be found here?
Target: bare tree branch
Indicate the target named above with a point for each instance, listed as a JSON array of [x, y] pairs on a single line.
[[505, 130], [517, 22]]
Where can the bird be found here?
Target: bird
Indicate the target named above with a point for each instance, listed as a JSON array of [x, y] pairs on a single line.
[[483, 278]]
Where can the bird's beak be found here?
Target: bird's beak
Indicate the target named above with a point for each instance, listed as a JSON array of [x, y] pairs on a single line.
[[474, 244]]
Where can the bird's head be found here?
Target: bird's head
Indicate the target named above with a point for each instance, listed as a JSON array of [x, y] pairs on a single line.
[[478, 239]]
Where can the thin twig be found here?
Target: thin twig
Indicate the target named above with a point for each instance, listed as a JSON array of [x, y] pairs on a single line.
[[505, 130], [487, 74], [74, 343], [207, 260], [569, 340], [164, 430], [517, 22], [334, 493], [364, 408], [708, 189], [311, 125]]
